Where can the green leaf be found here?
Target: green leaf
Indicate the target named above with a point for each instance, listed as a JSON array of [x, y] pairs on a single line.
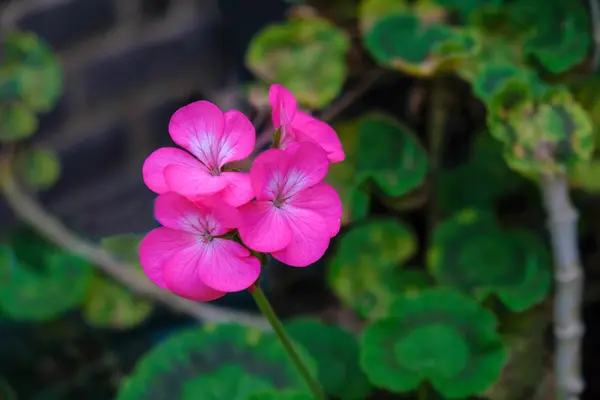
[[305, 55], [494, 77], [466, 7], [486, 172], [342, 176], [559, 33], [545, 137], [111, 305], [336, 353], [43, 292], [38, 167], [470, 252], [16, 122], [404, 42], [438, 336], [390, 156], [229, 382], [371, 11], [363, 270], [34, 69], [192, 353], [537, 282]]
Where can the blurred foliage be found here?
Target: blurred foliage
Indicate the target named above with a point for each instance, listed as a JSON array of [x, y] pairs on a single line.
[[225, 361], [449, 297], [30, 82]]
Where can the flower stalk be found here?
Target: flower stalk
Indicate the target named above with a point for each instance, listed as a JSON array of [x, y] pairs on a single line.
[[562, 224], [265, 307]]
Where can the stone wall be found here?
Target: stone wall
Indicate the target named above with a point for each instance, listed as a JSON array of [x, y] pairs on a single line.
[[128, 65]]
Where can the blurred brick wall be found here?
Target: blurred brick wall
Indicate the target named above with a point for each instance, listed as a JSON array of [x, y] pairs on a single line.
[[128, 65]]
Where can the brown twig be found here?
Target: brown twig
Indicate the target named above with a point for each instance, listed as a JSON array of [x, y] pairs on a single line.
[[32, 213]]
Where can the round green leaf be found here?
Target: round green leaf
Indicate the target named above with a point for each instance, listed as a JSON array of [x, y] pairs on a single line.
[[546, 137], [469, 252], [110, 305], [363, 270], [438, 336], [336, 353], [305, 55], [34, 69], [16, 122], [43, 292], [535, 286], [390, 156], [404, 42], [560, 34], [38, 167], [342, 176], [193, 353], [229, 382]]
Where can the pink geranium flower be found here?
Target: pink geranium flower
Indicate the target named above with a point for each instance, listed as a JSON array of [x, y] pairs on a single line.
[[297, 126], [188, 254], [295, 214], [213, 139]]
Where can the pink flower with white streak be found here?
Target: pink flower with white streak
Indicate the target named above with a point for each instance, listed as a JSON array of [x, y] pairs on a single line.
[[297, 126], [214, 139], [188, 255], [295, 214]]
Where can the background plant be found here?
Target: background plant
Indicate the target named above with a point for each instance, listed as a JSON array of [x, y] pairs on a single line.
[[455, 306]]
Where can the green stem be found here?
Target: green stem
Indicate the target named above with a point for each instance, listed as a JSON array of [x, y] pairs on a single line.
[[266, 309]]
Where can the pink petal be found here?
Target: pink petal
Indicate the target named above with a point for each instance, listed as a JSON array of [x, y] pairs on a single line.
[[198, 127], [209, 215], [264, 227], [238, 139], [154, 166], [194, 183], [324, 201], [157, 246], [283, 104], [319, 132], [181, 274], [268, 172], [310, 238], [218, 217], [307, 166], [174, 211], [239, 189], [227, 266]]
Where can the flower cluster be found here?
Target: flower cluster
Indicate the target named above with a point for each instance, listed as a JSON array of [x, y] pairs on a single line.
[[212, 217]]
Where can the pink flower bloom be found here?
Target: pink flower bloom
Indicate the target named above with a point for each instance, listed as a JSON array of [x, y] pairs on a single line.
[[297, 126], [188, 256], [213, 139], [295, 214]]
